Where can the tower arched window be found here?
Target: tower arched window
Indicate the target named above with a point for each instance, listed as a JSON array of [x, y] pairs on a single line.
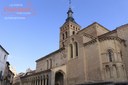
[[121, 56], [71, 50], [63, 44], [76, 49], [73, 32], [63, 36], [110, 55], [66, 34]]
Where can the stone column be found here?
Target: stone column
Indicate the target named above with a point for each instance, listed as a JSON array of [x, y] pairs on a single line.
[[39, 81], [52, 80], [36, 81], [45, 81], [111, 71], [31, 82], [42, 81]]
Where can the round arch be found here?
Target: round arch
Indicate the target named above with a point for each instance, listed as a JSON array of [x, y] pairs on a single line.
[[59, 78]]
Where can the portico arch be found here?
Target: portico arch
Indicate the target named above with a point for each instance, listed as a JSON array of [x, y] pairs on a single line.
[[59, 78]]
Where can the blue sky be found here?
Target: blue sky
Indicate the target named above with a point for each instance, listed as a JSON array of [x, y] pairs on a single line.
[[38, 35]]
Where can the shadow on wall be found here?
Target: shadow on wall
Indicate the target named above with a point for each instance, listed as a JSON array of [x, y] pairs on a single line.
[[106, 83]]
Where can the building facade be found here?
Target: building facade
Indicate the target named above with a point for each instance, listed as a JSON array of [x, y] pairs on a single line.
[[8, 75], [93, 54], [3, 59]]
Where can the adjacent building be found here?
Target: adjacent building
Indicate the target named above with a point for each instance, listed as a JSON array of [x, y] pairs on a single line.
[[3, 58], [93, 54], [17, 79], [8, 75]]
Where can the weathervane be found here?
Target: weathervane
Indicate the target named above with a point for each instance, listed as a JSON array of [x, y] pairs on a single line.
[[70, 2]]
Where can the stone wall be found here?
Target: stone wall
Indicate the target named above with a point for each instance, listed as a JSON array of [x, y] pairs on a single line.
[[93, 65], [123, 33], [51, 61]]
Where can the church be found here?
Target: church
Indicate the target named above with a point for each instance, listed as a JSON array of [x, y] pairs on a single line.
[[91, 55]]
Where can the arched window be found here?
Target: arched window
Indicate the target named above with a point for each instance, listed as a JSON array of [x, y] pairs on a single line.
[[66, 34], [115, 73], [121, 55], [71, 50], [73, 32], [47, 64], [50, 63], [123, 72], [62, 44], [76, 48], [63, 36], [4, 57], [108, 72], [110, 55]]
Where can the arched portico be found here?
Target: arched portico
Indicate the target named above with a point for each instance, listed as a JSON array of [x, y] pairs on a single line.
[[59, 78]]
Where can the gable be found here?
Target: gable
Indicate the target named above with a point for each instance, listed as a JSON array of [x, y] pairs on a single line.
[[94, 29]]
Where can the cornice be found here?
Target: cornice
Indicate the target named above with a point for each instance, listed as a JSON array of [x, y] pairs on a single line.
[[100, 39]]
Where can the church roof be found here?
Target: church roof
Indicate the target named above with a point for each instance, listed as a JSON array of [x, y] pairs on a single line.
[[125, 25], [50, 54], [93, 24]]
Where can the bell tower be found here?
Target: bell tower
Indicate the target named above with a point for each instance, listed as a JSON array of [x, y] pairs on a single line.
[[69, 28]]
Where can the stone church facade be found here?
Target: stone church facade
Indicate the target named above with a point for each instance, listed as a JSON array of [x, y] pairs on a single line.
[[93, 54]]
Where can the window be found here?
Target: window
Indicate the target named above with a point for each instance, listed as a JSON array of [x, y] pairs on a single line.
[[76, 28], [108, 72], [123, 72], [50, 63], [115, 74], [110, 55], [63, 44], [71, 50], [47, 64], [4, 57], [73, 32], [63, 36], [66, 34], [76, 48], [121, 55], [0, 75]]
